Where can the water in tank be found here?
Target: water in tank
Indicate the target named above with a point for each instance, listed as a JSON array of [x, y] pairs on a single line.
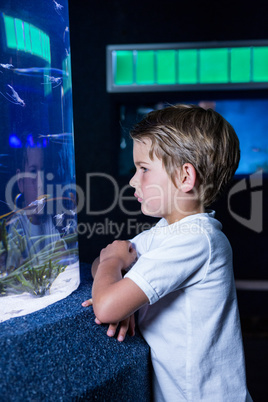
[[39, 262]]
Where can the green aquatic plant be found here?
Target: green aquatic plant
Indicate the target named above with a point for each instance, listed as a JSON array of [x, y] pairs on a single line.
[[34, 280], [31, 263], [35, 275]]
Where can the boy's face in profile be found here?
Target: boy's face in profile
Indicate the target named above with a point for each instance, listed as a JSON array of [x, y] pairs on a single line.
[[31, 180], [154, 188]]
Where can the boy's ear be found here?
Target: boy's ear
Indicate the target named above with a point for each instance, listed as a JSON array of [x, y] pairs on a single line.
[[19, 180], [187, 177]]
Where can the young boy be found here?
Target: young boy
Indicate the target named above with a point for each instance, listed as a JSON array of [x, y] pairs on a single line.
[[181, 279]]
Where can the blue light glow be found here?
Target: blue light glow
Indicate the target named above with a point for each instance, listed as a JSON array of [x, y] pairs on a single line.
[[14, 141]]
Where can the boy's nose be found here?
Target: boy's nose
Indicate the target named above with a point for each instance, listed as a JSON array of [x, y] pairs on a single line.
[[133, 181]]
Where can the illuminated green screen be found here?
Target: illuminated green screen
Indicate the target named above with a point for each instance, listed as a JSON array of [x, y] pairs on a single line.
[[187, 66], [166, 67], [260, 64], [240, 64], [124, 68], [213, 67], [156, 67], [145, 67]]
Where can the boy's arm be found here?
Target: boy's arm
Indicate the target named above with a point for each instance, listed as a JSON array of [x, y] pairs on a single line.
[[95, 266], [115, 298]]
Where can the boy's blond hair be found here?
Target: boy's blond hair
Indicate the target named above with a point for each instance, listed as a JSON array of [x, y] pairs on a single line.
[[190, 134]]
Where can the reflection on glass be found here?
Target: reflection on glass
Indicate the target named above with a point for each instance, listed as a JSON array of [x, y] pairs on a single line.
[[38, 226]]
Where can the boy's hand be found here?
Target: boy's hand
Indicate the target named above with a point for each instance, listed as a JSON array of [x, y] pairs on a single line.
[[126, 326], [87, 303], [121, 250], [115, 297]]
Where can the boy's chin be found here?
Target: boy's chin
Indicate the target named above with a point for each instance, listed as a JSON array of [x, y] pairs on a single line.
[[148, 212]]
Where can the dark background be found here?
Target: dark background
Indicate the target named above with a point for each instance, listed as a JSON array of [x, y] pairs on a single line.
[[94, 25]]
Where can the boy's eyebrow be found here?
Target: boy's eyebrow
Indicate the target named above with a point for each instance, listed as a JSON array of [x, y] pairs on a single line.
[[141, 163]]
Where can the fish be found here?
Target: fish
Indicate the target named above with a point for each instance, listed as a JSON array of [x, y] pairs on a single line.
[[58, 138], [40, 71]]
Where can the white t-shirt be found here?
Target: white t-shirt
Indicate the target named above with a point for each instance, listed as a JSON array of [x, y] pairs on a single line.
[[191, 322]]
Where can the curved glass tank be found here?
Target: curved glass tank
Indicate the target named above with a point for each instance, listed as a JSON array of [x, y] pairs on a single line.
[[39, 262]]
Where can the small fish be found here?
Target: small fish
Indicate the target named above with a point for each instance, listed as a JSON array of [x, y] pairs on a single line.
[[13, 97], [59, 219], [53, 80], [67, 229], [58, 7], [39, 71], [7, 66], [39, 203], [60, 135], [58, 138]]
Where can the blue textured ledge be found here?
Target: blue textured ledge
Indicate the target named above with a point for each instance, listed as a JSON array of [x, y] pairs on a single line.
[[60, 354]]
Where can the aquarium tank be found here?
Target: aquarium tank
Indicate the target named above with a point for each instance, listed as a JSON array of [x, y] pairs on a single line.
[[39, 261]]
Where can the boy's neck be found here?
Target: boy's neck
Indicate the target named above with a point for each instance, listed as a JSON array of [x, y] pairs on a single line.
[[187, 208]]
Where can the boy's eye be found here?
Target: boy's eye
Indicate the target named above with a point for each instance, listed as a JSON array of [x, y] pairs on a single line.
[[144, 169]]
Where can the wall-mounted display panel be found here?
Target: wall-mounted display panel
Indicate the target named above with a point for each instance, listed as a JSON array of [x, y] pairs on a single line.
[[187, 66]]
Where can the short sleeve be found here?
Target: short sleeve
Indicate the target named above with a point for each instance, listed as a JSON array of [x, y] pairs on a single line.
[[141, 242], [178, 262]]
